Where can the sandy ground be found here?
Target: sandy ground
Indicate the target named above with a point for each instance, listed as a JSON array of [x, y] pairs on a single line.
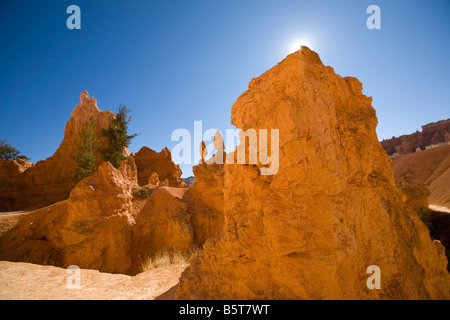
[[36, 282], [19, 281], [176, 192]]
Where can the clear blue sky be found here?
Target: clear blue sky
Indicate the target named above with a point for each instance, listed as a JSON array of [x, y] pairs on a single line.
[[173, 62]]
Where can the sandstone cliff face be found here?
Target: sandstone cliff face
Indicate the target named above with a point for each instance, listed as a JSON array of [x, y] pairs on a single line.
[[99, 227], [311, 230], [149, 161], [432, 134], [51, 180]]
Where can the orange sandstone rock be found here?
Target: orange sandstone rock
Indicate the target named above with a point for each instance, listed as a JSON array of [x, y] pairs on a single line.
[[205, 198], [51, 180], [154, 179], [332, 210], [163, 224], [205, 201], [149, 161], [10, 174], [98, 226]]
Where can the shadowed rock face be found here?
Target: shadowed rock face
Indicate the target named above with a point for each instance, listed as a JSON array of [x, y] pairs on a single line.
[[311, 230], [10, 173], [51, 180]]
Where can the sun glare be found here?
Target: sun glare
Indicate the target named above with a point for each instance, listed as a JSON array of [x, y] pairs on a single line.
[[295, 46]]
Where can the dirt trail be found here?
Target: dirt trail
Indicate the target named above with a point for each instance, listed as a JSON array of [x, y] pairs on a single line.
[[26, 281]]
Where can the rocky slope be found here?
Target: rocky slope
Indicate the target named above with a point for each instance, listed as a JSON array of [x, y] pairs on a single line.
[[311, 230]]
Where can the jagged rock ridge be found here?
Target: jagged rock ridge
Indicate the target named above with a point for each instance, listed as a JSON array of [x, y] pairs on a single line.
[[432, 134]]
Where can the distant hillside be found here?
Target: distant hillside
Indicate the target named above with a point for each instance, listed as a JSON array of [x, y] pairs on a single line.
[[431, 165], [432, 134]]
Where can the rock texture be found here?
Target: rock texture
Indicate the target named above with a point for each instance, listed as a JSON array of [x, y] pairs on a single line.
[[205, 201], [430, 166], [163, 224], [432, 134], [332, 210], [149, 161], [10, 173], [50, 180], [154, 179], [100, 226]]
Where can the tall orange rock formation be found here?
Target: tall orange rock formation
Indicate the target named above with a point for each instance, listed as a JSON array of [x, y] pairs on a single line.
[[51, 180], [23, 185], [332, 210]]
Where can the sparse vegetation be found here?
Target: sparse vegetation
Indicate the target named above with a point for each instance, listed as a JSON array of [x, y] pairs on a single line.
[[85, 151], [142, 192], [117, 137], [8, 152], [166, 257]]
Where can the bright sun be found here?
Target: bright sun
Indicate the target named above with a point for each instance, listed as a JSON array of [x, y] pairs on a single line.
[[297, 44]]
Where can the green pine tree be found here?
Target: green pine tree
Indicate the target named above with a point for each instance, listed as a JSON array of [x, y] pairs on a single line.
[[117, 137], [8, 152], [85, 151]]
